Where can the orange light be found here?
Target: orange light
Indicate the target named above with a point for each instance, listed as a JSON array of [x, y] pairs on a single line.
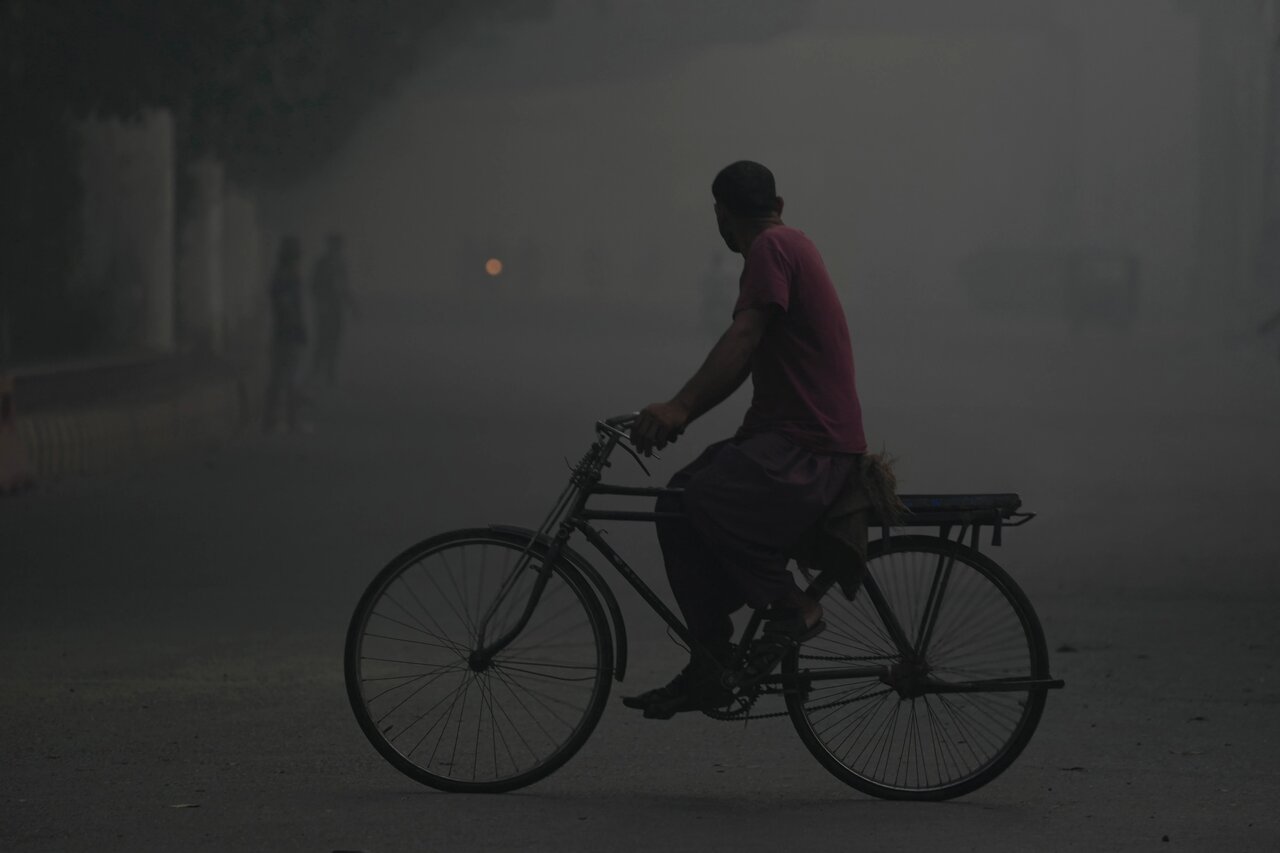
[[493, 266]]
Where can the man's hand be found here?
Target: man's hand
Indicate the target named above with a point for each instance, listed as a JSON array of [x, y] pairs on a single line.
[[658, 425]]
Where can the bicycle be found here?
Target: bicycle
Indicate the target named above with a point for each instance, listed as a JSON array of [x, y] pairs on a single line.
[[480, 660]]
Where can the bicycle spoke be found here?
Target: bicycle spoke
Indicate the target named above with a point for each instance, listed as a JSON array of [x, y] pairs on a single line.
[[538, 696], [418, 601], [448, 644], [400, 661], [421, 626], [443, 721], [451, 695], [509, 662], [413, 642], [505, 681], [453, 755], [449, 575], [393, 687], [514, 728], [495, 731], [535, 674], [417, 691]]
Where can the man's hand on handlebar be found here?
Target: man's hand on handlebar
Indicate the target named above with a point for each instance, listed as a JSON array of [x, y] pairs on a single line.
[[658, 425]]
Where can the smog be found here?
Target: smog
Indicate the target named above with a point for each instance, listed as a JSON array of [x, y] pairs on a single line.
[[1051, 227]]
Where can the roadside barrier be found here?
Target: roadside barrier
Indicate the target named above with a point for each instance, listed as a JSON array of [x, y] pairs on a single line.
[[90, 441], [15, 466], [94, 416]]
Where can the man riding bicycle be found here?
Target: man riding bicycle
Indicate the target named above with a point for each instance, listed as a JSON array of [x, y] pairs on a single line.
[[749, 499]]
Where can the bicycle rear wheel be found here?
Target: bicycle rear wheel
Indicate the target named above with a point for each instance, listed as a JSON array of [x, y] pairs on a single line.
[[898, 739], [442, 721]]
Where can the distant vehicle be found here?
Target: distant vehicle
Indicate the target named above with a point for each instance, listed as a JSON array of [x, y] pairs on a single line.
[[1086, 287]]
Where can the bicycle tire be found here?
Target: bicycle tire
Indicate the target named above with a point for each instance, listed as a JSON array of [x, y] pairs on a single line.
[[938, 745], [407, 658]]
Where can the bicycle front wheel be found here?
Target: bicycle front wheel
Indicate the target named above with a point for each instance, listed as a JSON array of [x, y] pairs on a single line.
[[457, 727], [954, 712]]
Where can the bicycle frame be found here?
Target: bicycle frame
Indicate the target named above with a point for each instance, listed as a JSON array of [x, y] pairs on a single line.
[[571, 514]]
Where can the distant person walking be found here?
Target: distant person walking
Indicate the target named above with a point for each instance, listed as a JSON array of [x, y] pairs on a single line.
[[288, 339], [1270, 325], [333, 301]]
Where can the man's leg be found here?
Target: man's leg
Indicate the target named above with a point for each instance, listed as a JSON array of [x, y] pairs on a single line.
[[706, 597], [291, 364], [747, 503], [751, 505], [275, 387], [335, 352], [705, 593]]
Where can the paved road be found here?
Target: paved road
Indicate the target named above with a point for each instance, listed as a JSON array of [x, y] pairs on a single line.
[[173, 635]]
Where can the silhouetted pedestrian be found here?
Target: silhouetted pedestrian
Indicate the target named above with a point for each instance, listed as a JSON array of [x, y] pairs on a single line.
[[288, 338], [333, 301], [1270, 324]]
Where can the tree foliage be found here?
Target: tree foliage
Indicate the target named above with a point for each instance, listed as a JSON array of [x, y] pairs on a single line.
[[270, 86]]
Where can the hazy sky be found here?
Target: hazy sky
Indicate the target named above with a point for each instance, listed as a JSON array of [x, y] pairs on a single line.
[[585, 143]]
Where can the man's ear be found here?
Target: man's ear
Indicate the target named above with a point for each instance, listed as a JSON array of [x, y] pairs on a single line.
[[777, 205]]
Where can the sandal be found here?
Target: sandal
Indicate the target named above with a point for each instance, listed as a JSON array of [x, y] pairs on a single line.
[[785, 631], [696, 688], [789, 626]]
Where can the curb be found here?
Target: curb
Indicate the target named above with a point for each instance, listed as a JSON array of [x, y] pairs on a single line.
[[15, 464], [96, 440]]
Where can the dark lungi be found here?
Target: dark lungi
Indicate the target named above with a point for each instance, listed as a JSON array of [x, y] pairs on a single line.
[[748, 502]]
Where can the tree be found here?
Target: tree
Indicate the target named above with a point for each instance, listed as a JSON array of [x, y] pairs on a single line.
[[270, 87]]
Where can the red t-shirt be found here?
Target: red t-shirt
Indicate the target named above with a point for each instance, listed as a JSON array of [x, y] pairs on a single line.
[[802, 370]]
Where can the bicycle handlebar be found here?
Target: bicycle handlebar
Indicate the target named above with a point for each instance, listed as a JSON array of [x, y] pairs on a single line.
[[622, 420]]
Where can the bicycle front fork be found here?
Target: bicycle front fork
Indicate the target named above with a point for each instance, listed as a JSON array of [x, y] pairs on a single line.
[[483, 654]]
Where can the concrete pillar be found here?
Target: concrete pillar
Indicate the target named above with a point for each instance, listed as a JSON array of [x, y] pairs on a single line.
[[201, 297], [1236, 44], [1268, 263], [123, 277]]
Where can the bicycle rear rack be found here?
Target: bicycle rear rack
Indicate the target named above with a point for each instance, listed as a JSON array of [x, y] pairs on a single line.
[[970, 511]]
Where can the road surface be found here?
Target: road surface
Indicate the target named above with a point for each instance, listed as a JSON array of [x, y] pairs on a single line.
[[173, 634]]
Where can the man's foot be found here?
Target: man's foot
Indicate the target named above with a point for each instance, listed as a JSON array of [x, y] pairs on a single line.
[[669, 691], [696, 688], [792, 625], [794, 613], [784, 630], [694, 694]]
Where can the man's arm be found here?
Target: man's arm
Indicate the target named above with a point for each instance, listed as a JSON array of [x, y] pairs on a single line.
[[727, 365], [724, 370]]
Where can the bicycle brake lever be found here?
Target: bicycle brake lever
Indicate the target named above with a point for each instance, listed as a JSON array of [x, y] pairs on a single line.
[[636, 456], [624, 441]]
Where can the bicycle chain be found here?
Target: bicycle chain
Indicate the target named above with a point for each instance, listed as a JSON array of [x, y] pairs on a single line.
[[746, 703]]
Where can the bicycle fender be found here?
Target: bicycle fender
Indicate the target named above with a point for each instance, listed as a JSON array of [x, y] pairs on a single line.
[[593, 577]]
